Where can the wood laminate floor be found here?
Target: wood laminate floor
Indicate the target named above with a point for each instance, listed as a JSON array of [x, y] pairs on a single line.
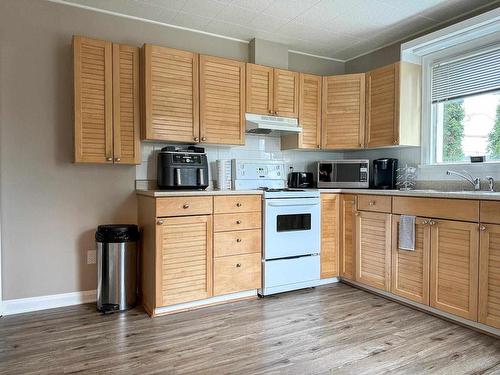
[[334, 329]]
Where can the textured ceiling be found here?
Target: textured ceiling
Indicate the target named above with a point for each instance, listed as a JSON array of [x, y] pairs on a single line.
[[341, 29]]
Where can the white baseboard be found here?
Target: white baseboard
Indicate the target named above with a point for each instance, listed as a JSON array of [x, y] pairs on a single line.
[[23, 305]]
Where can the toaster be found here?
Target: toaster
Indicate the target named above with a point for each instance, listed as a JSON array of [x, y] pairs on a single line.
[[182, 168]]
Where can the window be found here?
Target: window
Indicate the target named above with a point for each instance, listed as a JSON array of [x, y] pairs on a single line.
[[465, 113]]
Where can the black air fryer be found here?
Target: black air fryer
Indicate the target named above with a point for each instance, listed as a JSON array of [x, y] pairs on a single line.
[[182, 169], [384, 173]]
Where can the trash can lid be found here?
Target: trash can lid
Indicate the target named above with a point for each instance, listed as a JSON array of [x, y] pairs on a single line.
[[117, 233]]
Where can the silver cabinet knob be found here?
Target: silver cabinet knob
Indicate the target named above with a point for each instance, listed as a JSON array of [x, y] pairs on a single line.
[[118, 159], [238, 204], [186, 206], [160, 222], [238, 240], [482, 228], [270, 112], [109, 159], [203, 139], [432, 222], [238, 265], [356, 213], [318, 146], [238, 221], [195, 139], [425, 222], [371, 203]]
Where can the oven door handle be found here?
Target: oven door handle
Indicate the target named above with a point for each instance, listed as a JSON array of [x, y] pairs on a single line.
[[274, 204]]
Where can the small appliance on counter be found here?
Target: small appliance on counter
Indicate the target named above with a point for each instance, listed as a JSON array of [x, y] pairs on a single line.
[[300, 180], [348, 174], [384, 173], [182, 168]]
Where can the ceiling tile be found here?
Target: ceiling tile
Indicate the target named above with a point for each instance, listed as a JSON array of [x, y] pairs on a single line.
[[289, 9], [206, 8], [230, 30], [265, 22], [169, 4], [236, 15], [190, 20], [257, 5], [454, 8]]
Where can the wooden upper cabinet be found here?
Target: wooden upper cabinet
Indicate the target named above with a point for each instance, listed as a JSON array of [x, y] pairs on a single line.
[[373, 249], [347, 236], [309, 115], [222, 100], [259, 89], [171, 89], [330, 236], [454, 267], [286, 93], [489, 276], [126, 105], [93, 86], [343, 112], [183, 259], [410, 269], [393, 105]]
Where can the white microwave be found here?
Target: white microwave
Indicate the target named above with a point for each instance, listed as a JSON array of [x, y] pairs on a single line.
[[350, 174]]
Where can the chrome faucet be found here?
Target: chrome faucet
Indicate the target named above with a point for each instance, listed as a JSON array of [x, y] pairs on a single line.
[[474, 181], [491, 183]]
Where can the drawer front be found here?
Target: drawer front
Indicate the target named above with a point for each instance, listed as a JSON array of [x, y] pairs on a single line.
[[290, 271], [237, 242], [230, 222], [183, 206], [454, 209], [490, 212], [237, 273], [375, 203], [230, 204]]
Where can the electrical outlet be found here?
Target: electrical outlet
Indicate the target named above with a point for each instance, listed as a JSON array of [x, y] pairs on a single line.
[[91, 256]]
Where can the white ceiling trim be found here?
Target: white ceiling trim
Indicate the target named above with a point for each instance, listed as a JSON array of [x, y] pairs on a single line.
[[146, 20], [424, 31], [76, 5]]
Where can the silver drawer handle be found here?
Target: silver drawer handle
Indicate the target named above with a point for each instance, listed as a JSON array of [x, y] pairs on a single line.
[[160, 222], [238, 204], [238, 221], [185, 206], [238, 265], [371, 203], [238, 240]]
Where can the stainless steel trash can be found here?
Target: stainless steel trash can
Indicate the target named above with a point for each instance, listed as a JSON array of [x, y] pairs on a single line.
[[116, 267]]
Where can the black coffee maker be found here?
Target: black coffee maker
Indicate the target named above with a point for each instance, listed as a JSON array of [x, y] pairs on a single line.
[[384, 173]]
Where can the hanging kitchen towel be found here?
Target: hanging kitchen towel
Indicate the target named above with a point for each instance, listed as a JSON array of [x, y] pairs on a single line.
[[407, 232]]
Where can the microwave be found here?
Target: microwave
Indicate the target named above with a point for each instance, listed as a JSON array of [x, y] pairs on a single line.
[[352, 174]]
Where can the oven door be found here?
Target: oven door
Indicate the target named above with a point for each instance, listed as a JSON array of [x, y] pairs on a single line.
[[291, 227]]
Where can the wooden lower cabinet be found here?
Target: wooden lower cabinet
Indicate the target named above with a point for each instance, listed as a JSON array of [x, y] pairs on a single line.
[[237, 273], [373, 249], [184, 259], [330, 238], [454, 267], [489, 275], [410, 269], [347, 232]]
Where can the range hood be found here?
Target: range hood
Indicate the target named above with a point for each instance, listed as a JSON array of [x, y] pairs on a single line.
[[261, 124]]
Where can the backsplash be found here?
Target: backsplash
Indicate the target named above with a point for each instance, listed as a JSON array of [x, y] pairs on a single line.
[[256, 147]]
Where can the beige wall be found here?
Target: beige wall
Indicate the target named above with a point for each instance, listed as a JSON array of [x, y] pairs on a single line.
[[50, 206]]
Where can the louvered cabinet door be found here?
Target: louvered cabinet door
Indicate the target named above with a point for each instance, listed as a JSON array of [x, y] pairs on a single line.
[[343, 113], [410, 269], [373, 249], [489, 276], [454, 267], [184, 259], [330, 237], [93, 88], [310, 111], [347, 237], [259, 89], [286, 93], [382, 103], [126, 119], [171, 101], [222, 101]]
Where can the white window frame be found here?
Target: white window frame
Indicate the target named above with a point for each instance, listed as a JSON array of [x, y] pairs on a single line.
[[428, 149]]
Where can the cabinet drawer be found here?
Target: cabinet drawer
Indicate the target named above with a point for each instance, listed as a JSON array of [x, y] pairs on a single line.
[[237, 242], [230, 222], [375, 203], [183, 206], [237, 273], [490, 212], [229, 204], [454, 209]]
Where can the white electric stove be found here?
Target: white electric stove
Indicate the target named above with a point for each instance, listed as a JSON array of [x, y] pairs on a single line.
[[291, 220]]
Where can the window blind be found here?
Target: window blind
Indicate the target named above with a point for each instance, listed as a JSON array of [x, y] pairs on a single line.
[[466, 76]]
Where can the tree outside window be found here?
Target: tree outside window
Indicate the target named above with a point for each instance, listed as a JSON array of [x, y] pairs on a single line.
[[453, 131]]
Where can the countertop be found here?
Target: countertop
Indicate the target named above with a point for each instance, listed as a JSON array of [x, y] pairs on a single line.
[[482, 195]]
